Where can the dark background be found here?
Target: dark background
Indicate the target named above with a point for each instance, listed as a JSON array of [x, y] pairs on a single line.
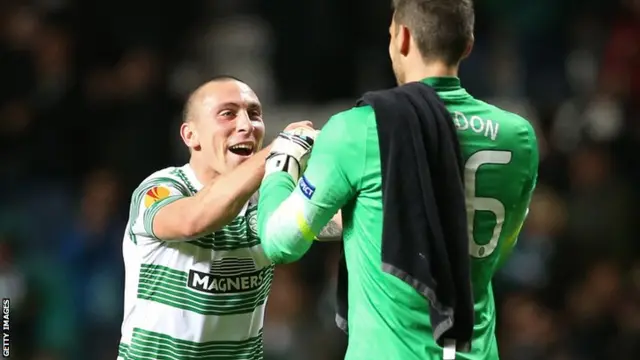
[[90, 98]]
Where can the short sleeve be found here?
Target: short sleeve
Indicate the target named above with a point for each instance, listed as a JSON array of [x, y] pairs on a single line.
[[148, 199]]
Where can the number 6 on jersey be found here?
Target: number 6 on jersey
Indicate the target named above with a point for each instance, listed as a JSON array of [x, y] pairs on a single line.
[[476, 203]]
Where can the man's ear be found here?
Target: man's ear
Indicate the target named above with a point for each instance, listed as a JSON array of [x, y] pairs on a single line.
[[467, 51], [405, 40], [189, 135]]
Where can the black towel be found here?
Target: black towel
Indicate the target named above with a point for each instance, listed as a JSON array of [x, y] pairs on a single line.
[[424, 236]]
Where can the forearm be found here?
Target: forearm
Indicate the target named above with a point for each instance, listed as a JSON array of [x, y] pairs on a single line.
[[219, 203], [290, 217], [213, 207], [282, 238]]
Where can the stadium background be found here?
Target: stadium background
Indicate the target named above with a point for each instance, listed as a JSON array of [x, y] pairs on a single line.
[[90, 100]]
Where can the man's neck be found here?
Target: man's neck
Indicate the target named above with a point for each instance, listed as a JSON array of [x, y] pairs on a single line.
[[428, 70], [204, 173]]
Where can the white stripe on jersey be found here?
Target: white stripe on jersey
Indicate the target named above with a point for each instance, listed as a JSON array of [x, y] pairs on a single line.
[[204, 297]]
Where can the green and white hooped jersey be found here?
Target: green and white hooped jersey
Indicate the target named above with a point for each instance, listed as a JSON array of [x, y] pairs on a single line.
[[203, 298]]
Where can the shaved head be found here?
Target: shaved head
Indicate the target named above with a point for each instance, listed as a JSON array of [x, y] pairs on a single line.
[[191, 99], [222, 123]]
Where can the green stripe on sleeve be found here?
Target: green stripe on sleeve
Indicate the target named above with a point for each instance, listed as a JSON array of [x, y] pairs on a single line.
[[151, 212]]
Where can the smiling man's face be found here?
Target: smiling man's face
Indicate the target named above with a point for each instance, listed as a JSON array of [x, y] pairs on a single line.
[[225, 124]]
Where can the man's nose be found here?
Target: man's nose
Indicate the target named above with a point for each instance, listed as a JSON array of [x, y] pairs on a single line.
[[243, 123]]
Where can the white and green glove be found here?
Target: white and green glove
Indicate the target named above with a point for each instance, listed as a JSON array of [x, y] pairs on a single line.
[[290, 152]]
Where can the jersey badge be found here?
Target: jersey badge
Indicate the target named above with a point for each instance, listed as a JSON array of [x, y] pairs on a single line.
[[252, 222], [155, 194], [306, 187]]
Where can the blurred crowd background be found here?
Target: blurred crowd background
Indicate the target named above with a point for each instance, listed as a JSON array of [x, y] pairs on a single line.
[[90, 101]]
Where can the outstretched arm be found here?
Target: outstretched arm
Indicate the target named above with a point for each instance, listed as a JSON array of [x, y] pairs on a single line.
[[186, 217], [291, 215]]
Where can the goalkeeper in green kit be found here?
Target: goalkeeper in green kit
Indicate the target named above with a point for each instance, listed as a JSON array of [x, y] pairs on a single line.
[[387, 318]]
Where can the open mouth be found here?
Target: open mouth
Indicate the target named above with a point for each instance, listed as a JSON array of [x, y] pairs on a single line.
[[244, 149]]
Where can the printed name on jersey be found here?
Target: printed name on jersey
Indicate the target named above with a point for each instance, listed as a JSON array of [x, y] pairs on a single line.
[[486, 127], [155, 194], [306, 187], [228, 276]]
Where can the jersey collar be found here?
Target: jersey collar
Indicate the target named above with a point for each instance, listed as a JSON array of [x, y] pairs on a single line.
[[191, 176], [444, 83]]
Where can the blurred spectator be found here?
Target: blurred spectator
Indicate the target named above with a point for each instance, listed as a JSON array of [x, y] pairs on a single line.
[[590, 306], [627, 314], [600, 210], [621, 67], [90, 250], [40, 309], [528, 266], [528, 329]]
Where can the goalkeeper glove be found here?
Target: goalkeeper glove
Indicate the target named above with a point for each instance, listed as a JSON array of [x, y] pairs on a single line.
[[290, 152]]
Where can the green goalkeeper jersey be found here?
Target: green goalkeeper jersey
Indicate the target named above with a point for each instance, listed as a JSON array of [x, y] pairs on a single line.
[[387, 318]]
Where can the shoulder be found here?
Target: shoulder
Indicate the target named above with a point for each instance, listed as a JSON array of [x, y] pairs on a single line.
[[520, 125], [519, 131], [355, 113], [510, 121], [169, 173], [348, 123], [165, 180]]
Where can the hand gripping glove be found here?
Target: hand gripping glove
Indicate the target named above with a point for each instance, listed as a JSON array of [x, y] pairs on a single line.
[[290, 152]]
